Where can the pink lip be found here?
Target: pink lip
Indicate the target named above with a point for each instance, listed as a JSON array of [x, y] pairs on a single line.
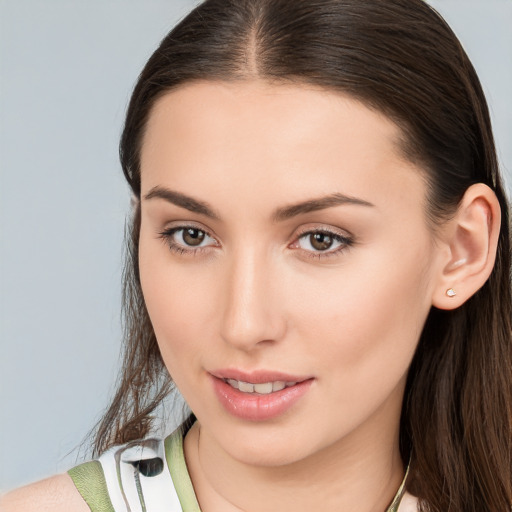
[[257, 376], [255, 407]]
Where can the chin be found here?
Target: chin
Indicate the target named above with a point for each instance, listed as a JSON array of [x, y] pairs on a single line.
[[271, 456], [267, 445]]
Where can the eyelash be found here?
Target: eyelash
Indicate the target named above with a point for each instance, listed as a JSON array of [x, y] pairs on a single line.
[[345, 242], [174, 247]]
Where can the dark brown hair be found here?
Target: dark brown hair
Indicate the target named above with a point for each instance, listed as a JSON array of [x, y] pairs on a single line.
[[398, 57]]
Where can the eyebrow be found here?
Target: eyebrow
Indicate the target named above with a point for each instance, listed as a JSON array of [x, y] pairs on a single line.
[[279, 215], [182, 200], [313, 205]]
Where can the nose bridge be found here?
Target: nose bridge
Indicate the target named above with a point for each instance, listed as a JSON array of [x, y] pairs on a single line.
[[250, 314]]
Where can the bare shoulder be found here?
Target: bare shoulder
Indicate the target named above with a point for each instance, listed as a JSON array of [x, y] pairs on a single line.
[[56, 494]]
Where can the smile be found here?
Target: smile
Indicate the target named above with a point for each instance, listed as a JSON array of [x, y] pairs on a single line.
[[264, 388], [261, 395]]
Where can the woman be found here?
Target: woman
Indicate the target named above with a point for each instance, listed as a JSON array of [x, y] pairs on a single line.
[[320, 260]]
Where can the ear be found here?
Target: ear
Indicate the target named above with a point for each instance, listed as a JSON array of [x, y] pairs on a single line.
[[470, 240]]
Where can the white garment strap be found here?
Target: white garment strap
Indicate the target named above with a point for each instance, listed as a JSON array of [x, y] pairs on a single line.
[[408, 504], [138, 478]]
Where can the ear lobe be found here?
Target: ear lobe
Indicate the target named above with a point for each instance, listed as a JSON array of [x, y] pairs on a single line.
[[472, 239]]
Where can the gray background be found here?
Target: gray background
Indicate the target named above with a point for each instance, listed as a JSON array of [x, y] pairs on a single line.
[[66, 71]]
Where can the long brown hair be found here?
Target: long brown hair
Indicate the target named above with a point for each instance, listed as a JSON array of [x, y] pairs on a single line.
[[400, 58]]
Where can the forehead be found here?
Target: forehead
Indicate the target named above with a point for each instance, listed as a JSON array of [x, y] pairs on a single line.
[[255, 136], [307, 112]]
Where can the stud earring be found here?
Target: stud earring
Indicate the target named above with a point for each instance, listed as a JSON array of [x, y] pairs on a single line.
[[451, 292]]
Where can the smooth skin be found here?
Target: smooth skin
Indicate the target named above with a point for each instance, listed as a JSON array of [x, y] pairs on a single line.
[[338, 293], [255, 294]]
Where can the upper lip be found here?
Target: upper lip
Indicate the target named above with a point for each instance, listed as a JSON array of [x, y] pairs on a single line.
[[257, 376]]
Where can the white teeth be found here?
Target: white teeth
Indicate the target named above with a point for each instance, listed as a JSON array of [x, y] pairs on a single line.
[[233, 383], [246, 387], [277, 386], [264, 388]]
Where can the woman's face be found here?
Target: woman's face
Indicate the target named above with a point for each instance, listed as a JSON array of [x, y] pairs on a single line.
[[283, 240]]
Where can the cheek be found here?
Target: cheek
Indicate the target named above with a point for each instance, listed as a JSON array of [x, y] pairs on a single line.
[[368, 315], [366, 324], [176, 300]]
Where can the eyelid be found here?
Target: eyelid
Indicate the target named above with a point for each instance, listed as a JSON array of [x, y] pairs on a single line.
[[172, 227], [167, 233], [319, 228], [344, 237]]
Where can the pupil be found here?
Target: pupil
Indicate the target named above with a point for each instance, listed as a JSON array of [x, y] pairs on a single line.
[[192, 236], [321, 241]]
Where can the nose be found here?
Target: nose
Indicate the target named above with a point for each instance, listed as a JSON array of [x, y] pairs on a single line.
[[252, 313]]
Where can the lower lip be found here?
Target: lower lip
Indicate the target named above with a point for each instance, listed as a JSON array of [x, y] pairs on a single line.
[[254, 407]]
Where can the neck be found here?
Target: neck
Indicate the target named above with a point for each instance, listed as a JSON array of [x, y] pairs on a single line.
[[360, 472]]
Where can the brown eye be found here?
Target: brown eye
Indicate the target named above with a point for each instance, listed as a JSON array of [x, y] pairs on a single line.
[[188, 240], [321, 241], [193, 236]]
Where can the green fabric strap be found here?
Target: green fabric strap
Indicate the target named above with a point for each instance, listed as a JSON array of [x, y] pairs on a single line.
[[89, 479], [399, 495], [179, 472]]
